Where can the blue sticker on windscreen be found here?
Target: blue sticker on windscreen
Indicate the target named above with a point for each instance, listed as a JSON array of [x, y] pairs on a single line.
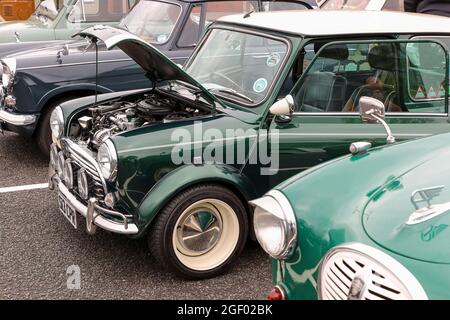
[[260, 85]]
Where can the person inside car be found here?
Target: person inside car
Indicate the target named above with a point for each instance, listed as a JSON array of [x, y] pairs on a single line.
[[381, 86]]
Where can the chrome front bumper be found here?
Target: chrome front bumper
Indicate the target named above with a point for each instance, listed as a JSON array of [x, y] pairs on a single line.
[[17, 119], [89, 212]]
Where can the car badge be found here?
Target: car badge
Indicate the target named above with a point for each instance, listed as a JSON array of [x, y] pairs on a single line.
[[359, 285], [425, 210]]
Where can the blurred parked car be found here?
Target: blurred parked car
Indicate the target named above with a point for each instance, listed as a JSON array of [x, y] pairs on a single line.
[[369, 226], [177, 162], [40, 79], [60, 19]]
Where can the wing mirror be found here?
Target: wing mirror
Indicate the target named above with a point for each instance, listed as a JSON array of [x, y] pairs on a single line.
[[371, 110], [283, 107]]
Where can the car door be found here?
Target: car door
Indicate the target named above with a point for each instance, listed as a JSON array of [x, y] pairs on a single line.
[[326, 120]]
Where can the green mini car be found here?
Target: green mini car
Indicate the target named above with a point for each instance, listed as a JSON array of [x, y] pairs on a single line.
[[367, 226], [179, 161]]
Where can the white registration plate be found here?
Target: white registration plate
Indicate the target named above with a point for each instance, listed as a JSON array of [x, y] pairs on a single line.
[[67, 210]]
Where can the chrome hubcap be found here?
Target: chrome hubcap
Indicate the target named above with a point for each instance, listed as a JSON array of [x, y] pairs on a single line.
[[199, 230]]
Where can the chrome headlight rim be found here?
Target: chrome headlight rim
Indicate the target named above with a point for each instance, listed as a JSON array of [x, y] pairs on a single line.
[[288, 224], [109, 173], [57, 122], [9, 66], [382, 259]]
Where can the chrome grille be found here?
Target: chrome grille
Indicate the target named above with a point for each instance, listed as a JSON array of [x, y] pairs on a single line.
[[82, 158], [359, 272]]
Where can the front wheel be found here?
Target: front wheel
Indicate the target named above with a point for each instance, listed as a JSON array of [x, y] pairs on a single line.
[[200, 232]]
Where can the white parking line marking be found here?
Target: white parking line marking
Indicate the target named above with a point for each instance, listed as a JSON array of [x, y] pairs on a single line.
[[24, 188]]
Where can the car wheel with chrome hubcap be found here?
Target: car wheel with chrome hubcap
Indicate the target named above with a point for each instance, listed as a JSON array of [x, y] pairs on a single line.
[[200, 232]]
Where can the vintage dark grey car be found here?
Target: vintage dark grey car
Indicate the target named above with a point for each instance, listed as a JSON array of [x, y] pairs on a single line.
[[35, 81]]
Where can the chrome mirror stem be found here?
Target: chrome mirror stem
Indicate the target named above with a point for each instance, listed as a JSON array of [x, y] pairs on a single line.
[[390, 137]]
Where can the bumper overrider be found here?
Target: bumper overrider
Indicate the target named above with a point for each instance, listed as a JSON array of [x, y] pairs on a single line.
[[72, 162]]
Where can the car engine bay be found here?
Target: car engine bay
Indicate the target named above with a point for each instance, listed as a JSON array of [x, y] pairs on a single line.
[[101, 122]]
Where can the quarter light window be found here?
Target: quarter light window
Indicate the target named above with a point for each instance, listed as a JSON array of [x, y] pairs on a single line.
[[426, 71]]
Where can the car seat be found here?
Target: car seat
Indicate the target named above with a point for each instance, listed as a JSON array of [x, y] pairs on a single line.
[[323, 91]]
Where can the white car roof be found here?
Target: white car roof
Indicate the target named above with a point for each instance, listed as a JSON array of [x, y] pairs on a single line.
[[342, 22]]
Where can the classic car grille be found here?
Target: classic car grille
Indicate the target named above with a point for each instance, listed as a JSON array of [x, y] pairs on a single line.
[[95, 185], [80, 159], [368, 274]]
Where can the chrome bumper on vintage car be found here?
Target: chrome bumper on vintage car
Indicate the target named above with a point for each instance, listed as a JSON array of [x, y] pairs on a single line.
[[16, 119], [95, 214]]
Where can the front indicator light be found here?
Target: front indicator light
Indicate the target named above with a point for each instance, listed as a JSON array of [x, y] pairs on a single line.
[[275, 294]]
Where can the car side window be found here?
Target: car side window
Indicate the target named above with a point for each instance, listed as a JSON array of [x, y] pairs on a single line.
[[426, 85], [98, 10], [341, 73], [192, 30]]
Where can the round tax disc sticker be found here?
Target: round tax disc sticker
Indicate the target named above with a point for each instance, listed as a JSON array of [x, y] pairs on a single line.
[[273, 60], [161, 38], [260, 85]]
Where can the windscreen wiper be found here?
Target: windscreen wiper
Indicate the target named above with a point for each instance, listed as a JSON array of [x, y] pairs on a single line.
[[232, 92]]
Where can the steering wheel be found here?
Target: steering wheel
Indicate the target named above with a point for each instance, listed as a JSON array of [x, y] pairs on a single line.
[[230, 81]]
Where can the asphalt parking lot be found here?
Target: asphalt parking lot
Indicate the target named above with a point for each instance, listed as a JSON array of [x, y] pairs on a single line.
[[38, 245]]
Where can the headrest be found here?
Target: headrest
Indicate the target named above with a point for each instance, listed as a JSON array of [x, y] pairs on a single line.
[[382, 57], [334, 51]]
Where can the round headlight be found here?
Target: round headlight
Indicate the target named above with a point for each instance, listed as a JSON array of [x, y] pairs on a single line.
[[107, 160], [275, 224], [57, 123], [83, 186], [68, 174]]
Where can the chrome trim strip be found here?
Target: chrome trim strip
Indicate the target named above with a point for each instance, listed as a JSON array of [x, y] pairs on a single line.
[[345, 134], [16, 119], [73, 64], [100, 221], [396, 114]]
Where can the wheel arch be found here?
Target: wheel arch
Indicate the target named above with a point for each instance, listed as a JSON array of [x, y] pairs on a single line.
[[60, 93], [191, 176]]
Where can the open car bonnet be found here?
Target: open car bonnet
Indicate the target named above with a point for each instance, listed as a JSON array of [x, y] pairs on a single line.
[[157, 66]]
